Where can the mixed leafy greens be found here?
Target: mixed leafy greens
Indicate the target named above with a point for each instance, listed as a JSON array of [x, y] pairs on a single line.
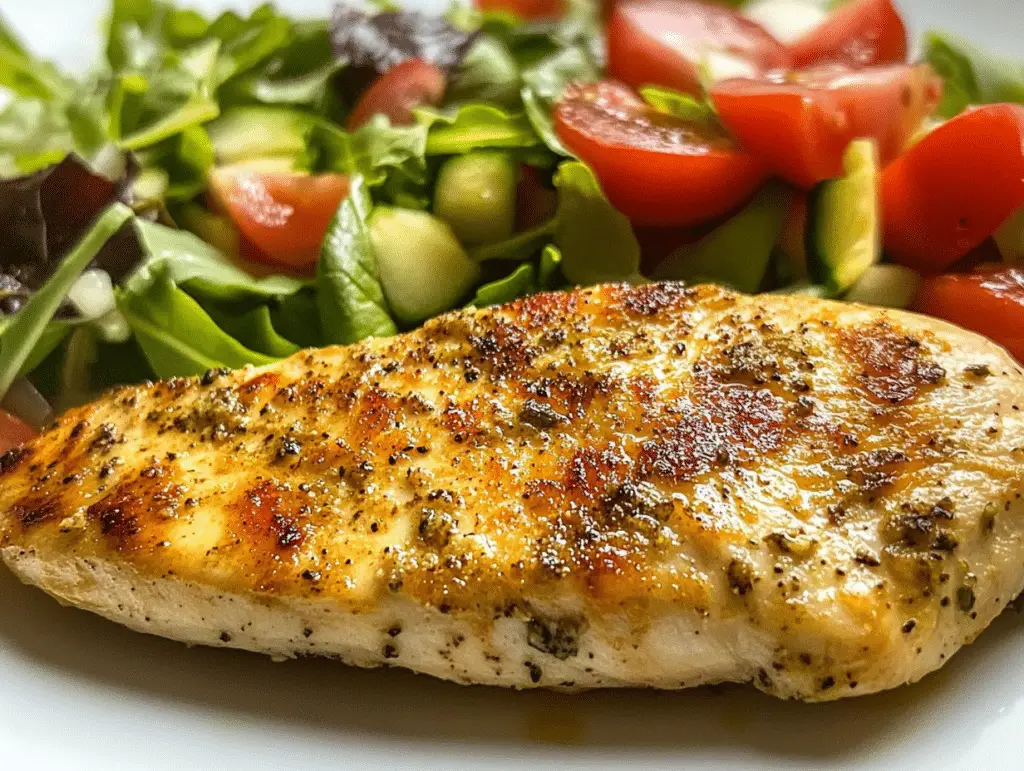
[[106, 183]]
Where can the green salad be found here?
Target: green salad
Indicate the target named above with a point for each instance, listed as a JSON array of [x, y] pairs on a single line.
[[227, 191]]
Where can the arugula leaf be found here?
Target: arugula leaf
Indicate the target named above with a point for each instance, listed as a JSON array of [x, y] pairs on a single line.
[[596, 240], [521, 281], [545, 83], [187, 261], [163, 92], [245, 43], [25, 75], [23, 333], [298, 74], [971, 76], [49, 115], [737, 253], [474, 126], [177, 336], [489, 73], [349, 294]]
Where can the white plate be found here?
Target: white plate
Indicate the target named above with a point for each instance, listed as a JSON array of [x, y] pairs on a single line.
[[78, 692]]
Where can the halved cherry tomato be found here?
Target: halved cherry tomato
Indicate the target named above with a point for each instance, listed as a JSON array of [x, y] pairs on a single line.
[[409, 84], [284, 216], [859, 33], [13, 432], [527, 10], [664, 42], [655, 168], [950, 191], [989, 301], [801, 122]]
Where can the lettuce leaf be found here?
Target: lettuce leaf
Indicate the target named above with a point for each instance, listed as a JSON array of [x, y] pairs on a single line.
[[596, 240], [544, 84], [971, 76]]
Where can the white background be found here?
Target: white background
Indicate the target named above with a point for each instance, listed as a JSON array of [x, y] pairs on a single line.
[[78, 692]]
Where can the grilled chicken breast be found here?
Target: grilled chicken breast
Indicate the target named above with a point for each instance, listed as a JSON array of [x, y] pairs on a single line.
[[655, 486]]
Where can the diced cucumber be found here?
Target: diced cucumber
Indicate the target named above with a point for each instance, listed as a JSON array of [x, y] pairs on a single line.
[[476, 196], [423, 268], [737, 253], [247, 133], [787, 20], [1009, 238], [887, 286], [843, 228]]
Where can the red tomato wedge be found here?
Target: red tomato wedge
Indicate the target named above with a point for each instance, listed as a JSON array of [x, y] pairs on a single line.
[[409, 84], [527, 10], [989, 301], [656, 169], [859, 33], [664, 42], [284, 216], [801, 122], [950, 191], [13, 432]]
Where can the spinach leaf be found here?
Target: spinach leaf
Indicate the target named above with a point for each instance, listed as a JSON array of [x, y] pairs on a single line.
[[737, 253], [190, 262], [349, 294], [254, 329], [971, 76], [596, 240], [297, 318], [22, 335], [521, 281], [474, 126], [177, 336], [545, 83]]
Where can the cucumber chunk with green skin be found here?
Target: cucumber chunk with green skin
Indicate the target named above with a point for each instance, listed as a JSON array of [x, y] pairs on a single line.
[[246, 133], [423, 269], [737, 253], [476, 196], [843, 230], [1009, 238], [886, 286]]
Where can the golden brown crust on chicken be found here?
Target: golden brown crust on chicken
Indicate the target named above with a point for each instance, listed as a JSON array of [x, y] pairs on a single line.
[[654, 486]]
